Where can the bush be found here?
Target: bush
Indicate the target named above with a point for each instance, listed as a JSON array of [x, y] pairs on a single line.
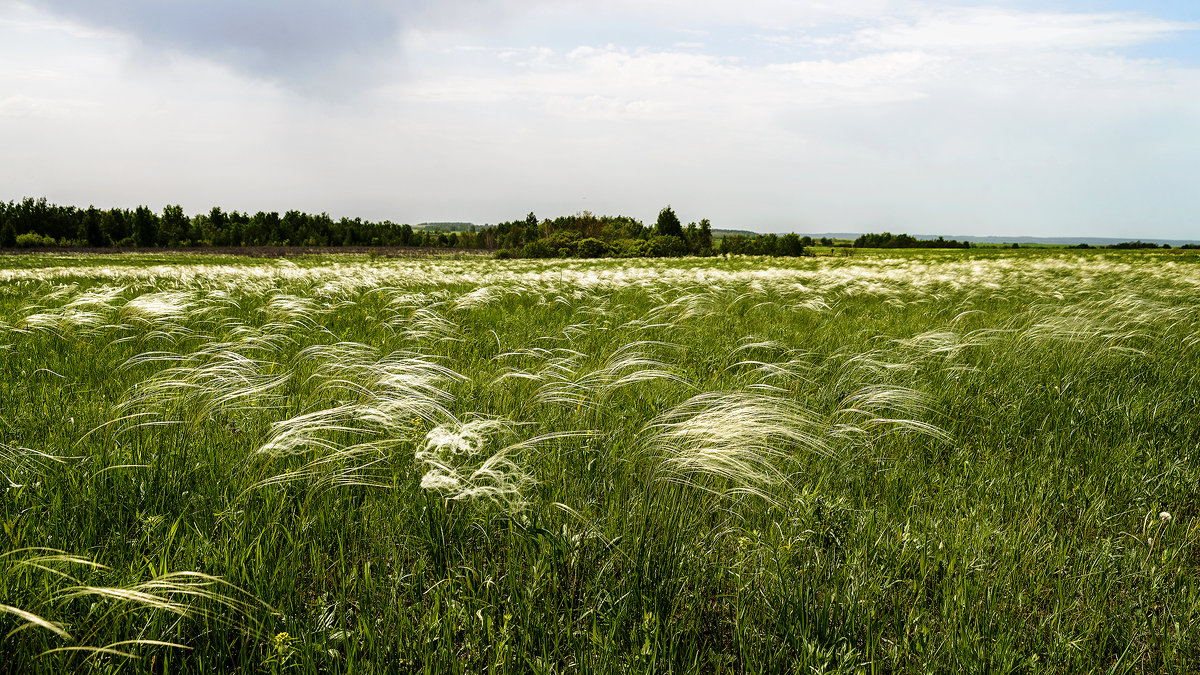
[[791, 245], [665, 245], [1139, 244], [538, 249], [593, 248], [34, 240], [563, 239], [505, 254], [629, 248]]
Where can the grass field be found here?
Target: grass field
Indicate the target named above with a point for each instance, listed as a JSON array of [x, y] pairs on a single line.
[[968, 461]]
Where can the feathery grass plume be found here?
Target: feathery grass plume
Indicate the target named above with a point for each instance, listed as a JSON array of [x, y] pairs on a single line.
[[210, 382], [308, 432], [865, 409], [393, 400], [33, 620], [477, 299], [685, 306], [370, 463], [791, 369], [742, 442], [292, 309], [153, 308], [459, 463], [187, 595], [184, 594], [872, 365], [456, 463], [22, 464], [49, 560], [400, 381], [566, 381], [63, 322], [426, 325], [632, 363], [937, 343]]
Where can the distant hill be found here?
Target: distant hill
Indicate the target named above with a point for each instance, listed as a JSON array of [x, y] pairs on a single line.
[[717, 234], [992, 239], [1064, 241]]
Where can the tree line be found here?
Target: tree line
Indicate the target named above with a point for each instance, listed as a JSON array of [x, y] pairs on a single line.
[[33, 223], [889, 240]]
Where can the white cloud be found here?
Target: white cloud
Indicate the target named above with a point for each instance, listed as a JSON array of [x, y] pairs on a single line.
[[953, 121], [721, 14], [990, 30]]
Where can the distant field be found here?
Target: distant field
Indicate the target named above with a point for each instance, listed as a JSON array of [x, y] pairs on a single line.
[[894, 461]]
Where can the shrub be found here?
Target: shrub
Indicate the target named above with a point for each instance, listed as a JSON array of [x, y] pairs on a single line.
[[665, 245], [593, 248], [629, 248], [537, 249], [563, 239], [34, 240]]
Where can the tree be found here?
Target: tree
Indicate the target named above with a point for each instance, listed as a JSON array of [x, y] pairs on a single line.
[[593, 248], [789, 245], [93, 234], [704, 242], [668, 224], [665, 246], [537, 249], [8, 235], [145, 227], [173, 227], [115, 225]]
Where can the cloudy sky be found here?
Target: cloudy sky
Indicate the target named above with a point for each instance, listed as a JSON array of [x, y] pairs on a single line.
[[1011, 117]]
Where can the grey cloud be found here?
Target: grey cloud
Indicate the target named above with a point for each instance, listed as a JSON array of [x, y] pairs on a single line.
[[308, 45]]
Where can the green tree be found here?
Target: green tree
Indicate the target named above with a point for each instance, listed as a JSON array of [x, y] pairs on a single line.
[[668, 224], [93, 233], [665, 246], [704, 241], [218, 222], [115, 225], [537, 249], [8, 235], [790, 245], [173, 227], [593, 248], [145, 227]]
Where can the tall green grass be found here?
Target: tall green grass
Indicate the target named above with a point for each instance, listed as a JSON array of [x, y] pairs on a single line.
[[894, 462]]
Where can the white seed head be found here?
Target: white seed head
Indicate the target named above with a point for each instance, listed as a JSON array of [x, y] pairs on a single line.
[[1165, 517]]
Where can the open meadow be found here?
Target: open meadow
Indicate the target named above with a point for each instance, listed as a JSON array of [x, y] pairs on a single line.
[[948, 461]]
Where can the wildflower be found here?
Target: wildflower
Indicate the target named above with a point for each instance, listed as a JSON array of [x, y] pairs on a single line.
[[1165, 517]]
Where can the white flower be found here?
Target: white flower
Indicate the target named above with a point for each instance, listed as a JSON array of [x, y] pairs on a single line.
[[1165, 517]]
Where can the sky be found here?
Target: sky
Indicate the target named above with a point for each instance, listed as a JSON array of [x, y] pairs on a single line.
[[1011, 117]]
